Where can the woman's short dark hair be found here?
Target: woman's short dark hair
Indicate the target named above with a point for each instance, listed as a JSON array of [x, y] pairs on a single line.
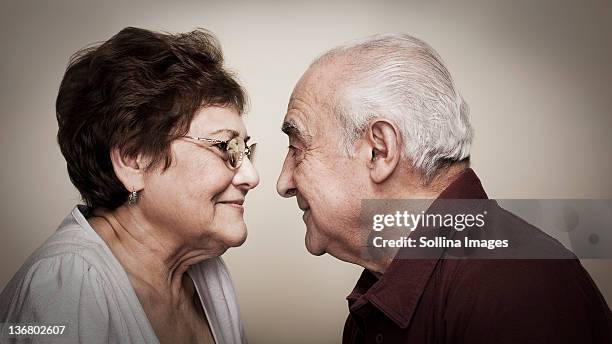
[[136, 92]]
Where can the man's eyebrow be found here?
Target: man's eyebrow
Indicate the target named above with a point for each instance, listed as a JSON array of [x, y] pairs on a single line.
[[291, 128]]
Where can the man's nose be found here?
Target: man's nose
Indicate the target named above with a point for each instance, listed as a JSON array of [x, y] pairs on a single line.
[[285, 186]]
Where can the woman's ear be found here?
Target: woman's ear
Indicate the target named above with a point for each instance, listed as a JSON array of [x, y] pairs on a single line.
[[129, 170], [385, 143]]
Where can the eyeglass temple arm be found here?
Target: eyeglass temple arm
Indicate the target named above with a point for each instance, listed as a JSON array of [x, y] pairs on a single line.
[[205, 139]]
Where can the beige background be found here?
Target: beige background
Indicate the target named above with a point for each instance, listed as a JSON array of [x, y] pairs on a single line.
[[538, 79]]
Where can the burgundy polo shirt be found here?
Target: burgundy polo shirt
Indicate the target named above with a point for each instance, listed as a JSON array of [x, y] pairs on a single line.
[[438, 300]]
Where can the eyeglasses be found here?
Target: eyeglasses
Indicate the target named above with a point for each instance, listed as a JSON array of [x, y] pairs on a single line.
[[234, 150]]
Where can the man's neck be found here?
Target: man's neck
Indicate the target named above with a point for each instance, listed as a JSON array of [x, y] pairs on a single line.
[[416, 188]]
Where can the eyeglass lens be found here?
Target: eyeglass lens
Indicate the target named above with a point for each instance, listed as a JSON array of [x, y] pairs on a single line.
[[236, 150]]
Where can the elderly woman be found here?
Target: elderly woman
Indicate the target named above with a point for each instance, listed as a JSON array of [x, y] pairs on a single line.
[[150, 126]]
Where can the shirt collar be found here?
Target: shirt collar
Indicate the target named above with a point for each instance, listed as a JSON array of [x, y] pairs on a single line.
[[395, 293]]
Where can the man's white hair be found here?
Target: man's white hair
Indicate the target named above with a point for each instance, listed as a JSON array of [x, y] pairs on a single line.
[[403, 79]]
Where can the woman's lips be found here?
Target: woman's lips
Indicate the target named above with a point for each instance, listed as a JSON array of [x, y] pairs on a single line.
[[234, 204]]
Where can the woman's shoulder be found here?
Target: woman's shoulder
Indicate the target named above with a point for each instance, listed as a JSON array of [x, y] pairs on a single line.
[[69, 264], [72, 248], [74, 279], [62, 289]]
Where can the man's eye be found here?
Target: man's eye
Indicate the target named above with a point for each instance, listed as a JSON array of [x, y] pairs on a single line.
[[295, 152]]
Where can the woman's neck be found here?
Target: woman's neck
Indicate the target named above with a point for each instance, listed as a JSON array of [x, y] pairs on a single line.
[[154, 259]]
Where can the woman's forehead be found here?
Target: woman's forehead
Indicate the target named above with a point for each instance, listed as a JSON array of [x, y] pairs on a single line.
[[216, 121]]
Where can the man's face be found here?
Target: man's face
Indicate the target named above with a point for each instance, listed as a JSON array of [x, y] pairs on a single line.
[[325, 182]]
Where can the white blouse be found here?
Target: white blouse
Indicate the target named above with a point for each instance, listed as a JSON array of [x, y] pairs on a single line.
[[73, 279]]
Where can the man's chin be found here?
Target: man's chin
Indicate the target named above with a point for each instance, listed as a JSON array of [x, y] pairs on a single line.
[[313, 247]]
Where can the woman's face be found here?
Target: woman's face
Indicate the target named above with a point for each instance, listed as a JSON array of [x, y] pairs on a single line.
[[198, 200]]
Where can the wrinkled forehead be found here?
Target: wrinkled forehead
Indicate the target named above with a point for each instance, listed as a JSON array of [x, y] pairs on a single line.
[[312, 103]]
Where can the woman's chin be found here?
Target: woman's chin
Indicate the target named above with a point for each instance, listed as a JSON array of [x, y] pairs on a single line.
[[235, 238], [219, 240], [239, 241]]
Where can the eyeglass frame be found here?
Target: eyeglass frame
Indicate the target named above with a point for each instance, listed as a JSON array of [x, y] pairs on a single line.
[[248, 150]]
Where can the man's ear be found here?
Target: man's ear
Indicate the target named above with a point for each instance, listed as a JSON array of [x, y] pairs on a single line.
[[129, 170], [385, 144]]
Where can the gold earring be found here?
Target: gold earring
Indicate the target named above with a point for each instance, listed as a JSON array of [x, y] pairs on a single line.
[[133, 197]]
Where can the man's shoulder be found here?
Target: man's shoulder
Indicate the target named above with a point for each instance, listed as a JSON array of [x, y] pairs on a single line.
[[542, 285], [524, 240], [535, 269], [538, 298], [507, 273]]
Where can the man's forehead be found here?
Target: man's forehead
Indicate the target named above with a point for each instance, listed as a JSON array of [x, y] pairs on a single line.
[[317, 86], [310, 101]]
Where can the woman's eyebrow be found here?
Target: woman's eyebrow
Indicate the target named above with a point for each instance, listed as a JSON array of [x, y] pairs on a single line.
[[233, 133]]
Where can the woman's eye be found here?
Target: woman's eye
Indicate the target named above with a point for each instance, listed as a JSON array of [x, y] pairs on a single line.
[[222, 147]]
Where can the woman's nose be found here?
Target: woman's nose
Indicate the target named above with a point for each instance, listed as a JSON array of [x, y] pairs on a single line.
[[246, 176]]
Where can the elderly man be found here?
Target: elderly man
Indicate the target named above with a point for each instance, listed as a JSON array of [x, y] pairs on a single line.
[[381, 119]]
